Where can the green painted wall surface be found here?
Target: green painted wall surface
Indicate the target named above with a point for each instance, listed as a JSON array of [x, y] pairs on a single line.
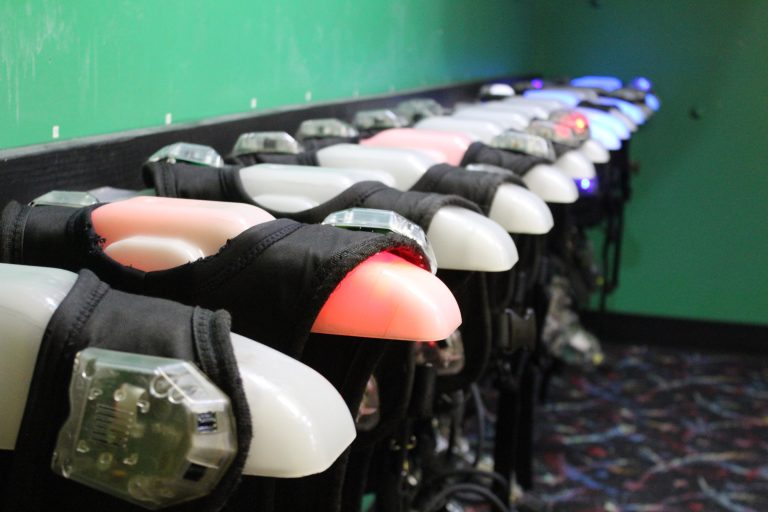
[[94, 67], [697, 235]]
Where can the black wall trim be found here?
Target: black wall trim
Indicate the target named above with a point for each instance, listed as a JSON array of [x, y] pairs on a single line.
[[115, 160], [678, 332]]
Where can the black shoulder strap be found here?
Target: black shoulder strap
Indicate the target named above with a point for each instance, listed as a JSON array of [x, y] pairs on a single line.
[[519, 163], [305, 158], [315, 143], [560, 148], [478, 186], [189, 181]]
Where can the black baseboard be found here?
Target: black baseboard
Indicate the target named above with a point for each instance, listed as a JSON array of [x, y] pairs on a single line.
[[678, 332], [115, 160]]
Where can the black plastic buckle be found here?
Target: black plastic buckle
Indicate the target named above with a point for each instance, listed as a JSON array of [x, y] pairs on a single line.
[[522, 330]]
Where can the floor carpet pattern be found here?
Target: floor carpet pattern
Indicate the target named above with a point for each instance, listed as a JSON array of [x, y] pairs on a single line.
[[656, 430]]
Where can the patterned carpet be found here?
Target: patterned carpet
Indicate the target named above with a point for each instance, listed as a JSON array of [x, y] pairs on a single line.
[[657, 430]]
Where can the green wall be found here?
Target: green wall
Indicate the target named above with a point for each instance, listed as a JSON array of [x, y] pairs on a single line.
[[697, 234], [94, 67]]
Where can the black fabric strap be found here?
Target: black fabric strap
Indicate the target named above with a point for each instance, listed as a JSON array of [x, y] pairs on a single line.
[[12, 223], [596, 106], [478, 186], [190, 181], [395, 376], [224, 184], [304, 158], [94, 315], [315, 143], [471, 293], [560, 148], [519, 163]]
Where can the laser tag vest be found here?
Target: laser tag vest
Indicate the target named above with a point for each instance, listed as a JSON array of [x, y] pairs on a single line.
[[273, 278], [224, 184], [519, 163], [94, 315], [478, 186], [189, 181], [469, 288]]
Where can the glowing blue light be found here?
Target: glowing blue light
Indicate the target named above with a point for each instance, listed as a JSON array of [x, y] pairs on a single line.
[[630, 110], [641, 83], [537, 83], [608, 83], [604, 136], [586, 185], [566, 97], [652, 101]]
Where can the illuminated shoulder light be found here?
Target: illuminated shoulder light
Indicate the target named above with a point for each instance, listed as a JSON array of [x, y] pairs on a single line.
[[93, 196], [65, 198], [419, 108], [383, 221], [641, 84], [607, 83], [493, 169], [187, 152], [652, 101], [112, 194], [554, 131], [605, 137], [576, 121], [446, 356], [587, 186], [149, 430], [369, 412], [379, 120], [527, 143], [266, 142], [322, 128], [598, 117], [566, 97], [533, 84], [496, 91]]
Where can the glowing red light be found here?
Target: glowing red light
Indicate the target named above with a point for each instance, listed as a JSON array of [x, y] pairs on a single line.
[[563, 131], [575, 121]]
